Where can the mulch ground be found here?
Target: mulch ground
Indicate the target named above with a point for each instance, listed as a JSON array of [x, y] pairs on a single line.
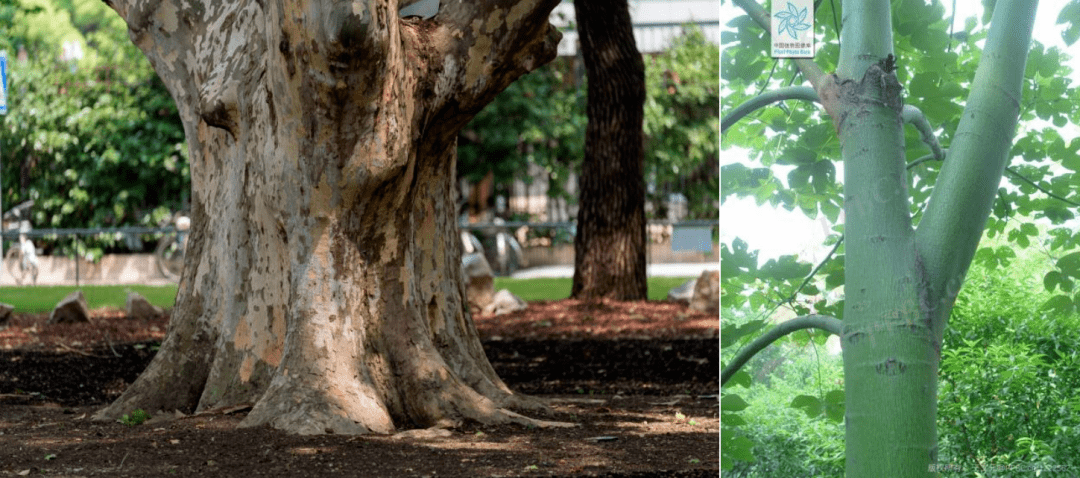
[[641, 380]]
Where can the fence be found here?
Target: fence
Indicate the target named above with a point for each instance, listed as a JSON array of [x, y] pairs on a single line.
[[691, 235], [669, 241], [12, 235]]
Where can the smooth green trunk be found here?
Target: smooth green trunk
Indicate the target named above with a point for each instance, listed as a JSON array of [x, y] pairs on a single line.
[[901, 285], [890, 365]]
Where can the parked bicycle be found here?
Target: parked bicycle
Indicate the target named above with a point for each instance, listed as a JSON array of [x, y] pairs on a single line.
[[24, 254], [170, 249], [504, 254]]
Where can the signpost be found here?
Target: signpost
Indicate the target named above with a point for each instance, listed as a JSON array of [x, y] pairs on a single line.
[[3, 78]]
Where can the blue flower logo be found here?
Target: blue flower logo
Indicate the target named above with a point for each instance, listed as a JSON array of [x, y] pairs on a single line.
[[792, 21]]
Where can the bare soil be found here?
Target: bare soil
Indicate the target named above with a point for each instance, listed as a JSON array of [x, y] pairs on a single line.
[[640, 379]]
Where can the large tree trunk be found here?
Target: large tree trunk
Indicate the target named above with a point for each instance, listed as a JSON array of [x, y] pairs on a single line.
[[322, 283], [609, 249]]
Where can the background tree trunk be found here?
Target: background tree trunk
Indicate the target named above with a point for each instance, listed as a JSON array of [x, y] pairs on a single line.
[[609, 248], [322, 283]]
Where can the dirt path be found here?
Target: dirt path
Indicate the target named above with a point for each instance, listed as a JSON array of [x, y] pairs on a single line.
[[639, 379]]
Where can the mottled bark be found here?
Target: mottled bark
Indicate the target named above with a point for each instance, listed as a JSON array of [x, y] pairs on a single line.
[[322, 283], [609, 249]]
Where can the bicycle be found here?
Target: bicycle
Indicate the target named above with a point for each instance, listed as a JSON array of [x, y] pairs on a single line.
[[170, 249], [507, 255], [25, 254]]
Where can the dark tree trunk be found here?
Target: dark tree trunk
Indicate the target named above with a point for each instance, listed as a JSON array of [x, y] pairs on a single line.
[[609, 260]]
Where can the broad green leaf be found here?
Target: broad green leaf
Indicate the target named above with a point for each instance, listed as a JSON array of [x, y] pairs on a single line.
[[1069, 265], [735, 447], [823, 173], [732, 403], [732, 419], [812, 406], [834, 405], [1052, 279], [1070, 16], [741, 378], [1059, 303]]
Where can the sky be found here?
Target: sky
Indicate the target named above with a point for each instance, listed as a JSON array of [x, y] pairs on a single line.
[[778, 232]]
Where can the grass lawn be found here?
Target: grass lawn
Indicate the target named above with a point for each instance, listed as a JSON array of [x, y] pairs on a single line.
[[559, 288], [44, 298]]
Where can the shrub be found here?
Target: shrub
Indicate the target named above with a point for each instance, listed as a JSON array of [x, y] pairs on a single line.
[[1008, 375], [785, 440]]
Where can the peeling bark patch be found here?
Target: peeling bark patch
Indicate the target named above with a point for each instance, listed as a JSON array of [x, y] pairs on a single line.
[[519, 10], [891, 367], [166, 17], [246, 368]]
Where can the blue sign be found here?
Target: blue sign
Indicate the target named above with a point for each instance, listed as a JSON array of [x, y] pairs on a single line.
[[3, 80]]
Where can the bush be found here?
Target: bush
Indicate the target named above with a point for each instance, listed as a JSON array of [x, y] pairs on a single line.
[[785, 440], [1009, 373]]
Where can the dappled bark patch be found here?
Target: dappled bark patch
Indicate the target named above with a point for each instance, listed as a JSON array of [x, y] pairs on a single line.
[[322, 283]]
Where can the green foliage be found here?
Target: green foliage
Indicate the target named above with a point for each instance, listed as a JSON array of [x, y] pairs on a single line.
[[1009, 373], [682, 123], [765, 432], [97, 142], [1004, 344], [136, 417], [540, 119]]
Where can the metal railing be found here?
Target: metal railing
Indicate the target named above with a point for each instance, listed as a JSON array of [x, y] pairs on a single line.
[[12, 234], [573, 224]]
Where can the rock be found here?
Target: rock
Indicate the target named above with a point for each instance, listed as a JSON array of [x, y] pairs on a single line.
[[707, 292], [503, 303], [5, 312], [140, 308], [70, 310], [479, 280], [683, 293]]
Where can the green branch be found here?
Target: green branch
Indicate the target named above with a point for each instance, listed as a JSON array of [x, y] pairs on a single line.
[[1040, 188], [765, 99], [915, 117], [967, 185], [827, 323], [1010, 170], [929, 157], [814, 272]]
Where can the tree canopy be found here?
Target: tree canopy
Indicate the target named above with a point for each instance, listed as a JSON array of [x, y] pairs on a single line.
[[96, 140], [540, 119]]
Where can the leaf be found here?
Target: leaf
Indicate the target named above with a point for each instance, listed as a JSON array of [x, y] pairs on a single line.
[[1052, 280], [834, 405], [741, 377], [1069, 265], [737, 260], [732, 420], [824, 174], [1062, 304], [799, 177], [732, 403], [737, 447], [1070, 15], [809, 404]]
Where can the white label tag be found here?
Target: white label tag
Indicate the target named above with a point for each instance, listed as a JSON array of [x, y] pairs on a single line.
[[793, 29]]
